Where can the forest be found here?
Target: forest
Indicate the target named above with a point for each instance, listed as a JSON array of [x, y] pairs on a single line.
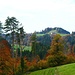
[[22, 53]]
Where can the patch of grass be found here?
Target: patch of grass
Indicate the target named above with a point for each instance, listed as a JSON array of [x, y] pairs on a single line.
[[68, 69], [39, 35], [49, 71], [64, 34], [52, 31], [28, 48]]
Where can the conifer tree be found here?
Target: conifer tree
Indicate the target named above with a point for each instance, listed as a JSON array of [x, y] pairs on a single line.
[[20, 35], [1, 28], [33, 40], [10, 27]]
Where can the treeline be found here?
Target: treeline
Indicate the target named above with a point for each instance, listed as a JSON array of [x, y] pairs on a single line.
[[46, 51], [59, 53]]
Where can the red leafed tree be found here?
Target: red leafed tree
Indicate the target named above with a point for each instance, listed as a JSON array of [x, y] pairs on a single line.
[[5, 58]]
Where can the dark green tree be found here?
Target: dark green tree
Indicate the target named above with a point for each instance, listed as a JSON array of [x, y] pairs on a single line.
[[1, 28], [20, 36], [22, 64], [33, 41], [11, 26]]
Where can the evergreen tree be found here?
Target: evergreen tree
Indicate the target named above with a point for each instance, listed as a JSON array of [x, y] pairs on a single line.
[[11, 26], [1, 28], [33, 40], [20, 35], [22, 64]]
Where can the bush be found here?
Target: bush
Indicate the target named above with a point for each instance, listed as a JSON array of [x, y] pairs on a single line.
[[31, 68], [42, 64], [56, 60], [70, 58], [51, 61]]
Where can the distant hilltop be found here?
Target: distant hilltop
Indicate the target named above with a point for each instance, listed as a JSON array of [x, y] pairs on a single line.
[[54, 30]]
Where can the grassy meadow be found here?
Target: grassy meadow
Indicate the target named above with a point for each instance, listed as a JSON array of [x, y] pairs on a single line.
[[26, 48], [68, 69]]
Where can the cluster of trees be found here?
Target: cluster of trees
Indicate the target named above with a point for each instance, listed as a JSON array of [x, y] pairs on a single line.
[[54, 57], [45, 51], [15, 32]]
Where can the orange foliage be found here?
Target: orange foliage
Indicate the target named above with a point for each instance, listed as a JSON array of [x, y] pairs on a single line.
[[5, 58], [70, 58], [42, 64]]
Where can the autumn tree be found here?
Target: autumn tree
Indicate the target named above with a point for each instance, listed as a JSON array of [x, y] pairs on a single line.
[[57, 56], [57, 45], [6, 62]]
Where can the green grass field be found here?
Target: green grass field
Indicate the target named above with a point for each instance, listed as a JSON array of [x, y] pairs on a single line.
[[49, 71], [39, 35], [26, 48], [68, 69]]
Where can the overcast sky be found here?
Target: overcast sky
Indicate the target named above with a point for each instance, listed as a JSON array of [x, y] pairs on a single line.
[[36, 15]]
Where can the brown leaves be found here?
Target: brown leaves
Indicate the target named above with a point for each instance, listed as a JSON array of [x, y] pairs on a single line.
[[5, 58]]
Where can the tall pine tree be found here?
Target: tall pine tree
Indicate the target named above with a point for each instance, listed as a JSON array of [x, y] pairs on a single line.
[[11, 26]]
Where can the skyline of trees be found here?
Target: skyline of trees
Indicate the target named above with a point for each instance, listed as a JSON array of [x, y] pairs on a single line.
[[43, 54]]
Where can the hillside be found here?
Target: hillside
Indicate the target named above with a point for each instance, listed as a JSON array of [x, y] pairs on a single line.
[[51, 31], [45, 36], [68, 69], [46, 32]]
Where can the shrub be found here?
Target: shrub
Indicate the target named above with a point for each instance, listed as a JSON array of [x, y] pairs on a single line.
[[56, 60], [42, 64], [51, 61], [70, 58]]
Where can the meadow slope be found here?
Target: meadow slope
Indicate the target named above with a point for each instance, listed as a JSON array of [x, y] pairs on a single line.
[[68, 69]]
